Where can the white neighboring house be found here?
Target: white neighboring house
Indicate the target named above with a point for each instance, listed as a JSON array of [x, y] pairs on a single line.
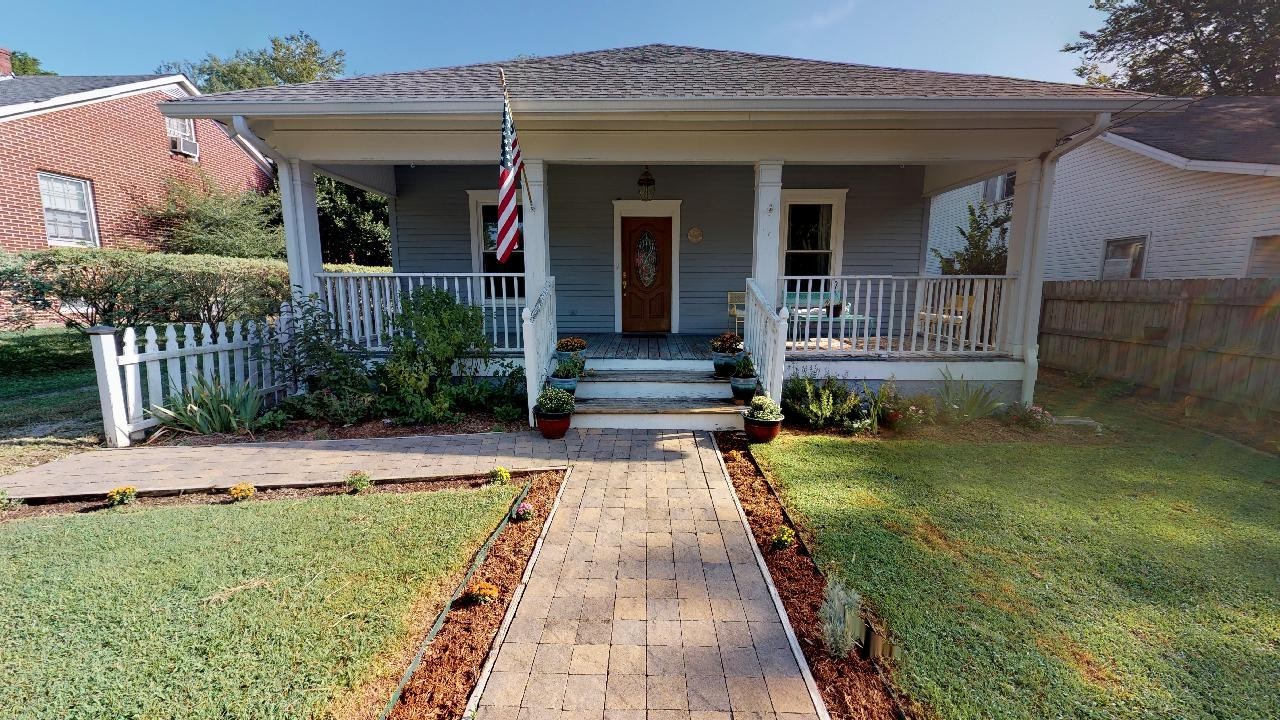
[[1189, 194]]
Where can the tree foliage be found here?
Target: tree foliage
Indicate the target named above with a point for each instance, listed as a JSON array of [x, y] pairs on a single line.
[[353, 222], [26, 64], [1184, 47], [986, 249], [203, 220], [296, 58]]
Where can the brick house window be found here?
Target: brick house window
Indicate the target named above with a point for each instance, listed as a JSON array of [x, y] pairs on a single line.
[[183, 128], [68, 210]]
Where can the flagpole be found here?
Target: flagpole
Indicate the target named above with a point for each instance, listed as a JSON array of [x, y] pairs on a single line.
[[524, 177]]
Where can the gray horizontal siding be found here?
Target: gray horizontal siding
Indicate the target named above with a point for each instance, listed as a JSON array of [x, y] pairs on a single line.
[[433, 221]]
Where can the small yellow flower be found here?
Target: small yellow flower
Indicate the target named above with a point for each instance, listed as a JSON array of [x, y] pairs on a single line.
[[483, 592], [122, 495], [241, 491]]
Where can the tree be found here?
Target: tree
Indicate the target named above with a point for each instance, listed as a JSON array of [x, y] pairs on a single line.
[[986, 249], [1184, 47], [296, 58], [353, 222], [26, 64], [201, 219]]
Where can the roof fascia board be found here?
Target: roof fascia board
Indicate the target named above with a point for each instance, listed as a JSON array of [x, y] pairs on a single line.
[[61, 102], [1182, 163], [206, 108]]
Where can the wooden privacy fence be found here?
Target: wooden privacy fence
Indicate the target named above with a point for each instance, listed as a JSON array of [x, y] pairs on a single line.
[[141, 370], [1217, 339]]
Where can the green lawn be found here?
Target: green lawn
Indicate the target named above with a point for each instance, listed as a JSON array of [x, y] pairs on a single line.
[[1133, 577], [259, 610], [48, 397]]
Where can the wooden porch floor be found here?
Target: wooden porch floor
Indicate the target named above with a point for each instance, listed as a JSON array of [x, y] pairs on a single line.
[[658, 346]]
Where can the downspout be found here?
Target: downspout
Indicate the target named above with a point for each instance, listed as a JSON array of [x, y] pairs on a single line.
[[240, 128], [1035, 265]]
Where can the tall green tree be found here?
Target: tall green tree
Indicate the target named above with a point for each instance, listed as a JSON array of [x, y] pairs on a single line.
[[353, 222], [1184, 47], [27, 64], [986, 242]]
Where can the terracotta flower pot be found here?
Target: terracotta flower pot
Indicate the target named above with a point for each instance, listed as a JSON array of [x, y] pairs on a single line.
[[553, 425], [761, 431]]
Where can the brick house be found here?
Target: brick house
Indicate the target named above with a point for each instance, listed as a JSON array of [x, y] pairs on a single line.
[[80, 155]]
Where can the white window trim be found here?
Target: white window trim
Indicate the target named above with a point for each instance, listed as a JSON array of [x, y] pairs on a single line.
[[1253, 251], [1146, 254], [476, 199], [90, 203], [646, 209], [188, 122], [834, 197]]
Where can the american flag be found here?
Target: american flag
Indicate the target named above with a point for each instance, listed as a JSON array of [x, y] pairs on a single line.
[[509, 166]]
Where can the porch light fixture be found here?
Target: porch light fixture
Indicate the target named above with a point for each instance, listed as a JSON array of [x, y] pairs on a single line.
[[646, 184]]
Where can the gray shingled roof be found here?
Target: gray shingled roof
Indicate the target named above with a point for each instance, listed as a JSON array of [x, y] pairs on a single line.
[[1230, 129], [38, 88], [664, 71]]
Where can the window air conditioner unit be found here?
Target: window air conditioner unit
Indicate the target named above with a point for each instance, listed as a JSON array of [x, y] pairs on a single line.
[[183, 146]]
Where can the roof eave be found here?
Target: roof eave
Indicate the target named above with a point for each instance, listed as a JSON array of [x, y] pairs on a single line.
[[58, 102], [1185, 163], [201, 107]]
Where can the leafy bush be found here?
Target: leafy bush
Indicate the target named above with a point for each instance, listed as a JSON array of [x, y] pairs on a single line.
[[961, 401], [744, 368], [877, 405], [312, 354], [122, 495], [411, 392], [917, 411], [358, 481], [783, 538], [986, 246], [555, 401], [727, 343], [347, 408], [207, 407], [201, 219], [819, 403], [508, 413], [241, 491], [9, 503], [14, 315], [1032, 417], [523, 511], [571, 367], [764, 408], [482, 592], [840, 618], [500, 475], [123, 287]]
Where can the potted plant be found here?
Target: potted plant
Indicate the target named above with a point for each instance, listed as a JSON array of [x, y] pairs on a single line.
[[743, 380], [553, 411], [725, 350], [763, 421], [567, 346], [567, 373]]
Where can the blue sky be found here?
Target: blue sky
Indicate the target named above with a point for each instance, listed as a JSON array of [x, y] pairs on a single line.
[[1006, 37]]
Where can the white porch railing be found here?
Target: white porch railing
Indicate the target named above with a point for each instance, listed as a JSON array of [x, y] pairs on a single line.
[[364, 305], [765, 336], [893, 315], [132, 380], [540, 331]]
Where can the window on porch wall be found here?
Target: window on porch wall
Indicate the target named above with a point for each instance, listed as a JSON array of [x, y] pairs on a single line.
[[506, 287], [808, 241]]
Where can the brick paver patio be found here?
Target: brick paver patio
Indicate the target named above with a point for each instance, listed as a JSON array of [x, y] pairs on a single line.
[[646, 601], [283, 464]]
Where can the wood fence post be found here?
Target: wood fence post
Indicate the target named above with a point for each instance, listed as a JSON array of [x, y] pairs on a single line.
[[110, 388], [1173, 347]]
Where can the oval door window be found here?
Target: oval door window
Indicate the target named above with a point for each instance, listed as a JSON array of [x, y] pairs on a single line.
[[646, 259]]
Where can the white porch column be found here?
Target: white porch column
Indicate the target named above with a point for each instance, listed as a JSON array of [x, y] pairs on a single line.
[[1034, 283], [1013, 304], [765, 250], [537, 235], [301, 224]]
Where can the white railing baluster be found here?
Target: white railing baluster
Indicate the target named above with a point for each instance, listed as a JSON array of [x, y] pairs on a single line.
[[155, 387]]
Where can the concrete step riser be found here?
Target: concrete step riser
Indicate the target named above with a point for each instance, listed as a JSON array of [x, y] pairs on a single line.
[[638, 364], [616, 390], [659, 421]]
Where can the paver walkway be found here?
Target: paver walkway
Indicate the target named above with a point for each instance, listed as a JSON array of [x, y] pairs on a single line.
[[283, 464], [646, 601]]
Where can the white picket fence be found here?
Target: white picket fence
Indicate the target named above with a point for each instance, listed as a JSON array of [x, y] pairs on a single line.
[[134, 377]]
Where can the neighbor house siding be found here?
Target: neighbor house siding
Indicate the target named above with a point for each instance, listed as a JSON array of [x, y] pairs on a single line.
[[884, 221], [947, 211], [1198, 224]]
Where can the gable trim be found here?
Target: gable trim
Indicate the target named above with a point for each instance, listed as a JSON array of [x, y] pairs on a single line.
[[1182, 163], [61, 102]]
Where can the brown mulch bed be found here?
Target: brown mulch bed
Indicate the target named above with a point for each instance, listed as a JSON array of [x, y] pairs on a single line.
[[852, 688], [33, 510], [477, 422], [451, 666]]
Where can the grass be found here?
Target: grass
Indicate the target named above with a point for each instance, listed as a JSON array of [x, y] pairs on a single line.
[[257, 610], [1133, 577], [48, 397]]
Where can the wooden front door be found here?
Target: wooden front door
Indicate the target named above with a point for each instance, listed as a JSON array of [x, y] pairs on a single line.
[[646, 274]]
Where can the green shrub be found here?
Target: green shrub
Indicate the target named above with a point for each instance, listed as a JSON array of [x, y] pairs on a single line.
[[961, 401], [123, 287], [122, 495], [201, 219], [328, 406], [783, 538], [1032, 417], [818, 403], [500, 474], [508, 413], [571, 367], [744, 368], [208, 407], [313, 355], [358, 481], [14, 314], [412, 392]]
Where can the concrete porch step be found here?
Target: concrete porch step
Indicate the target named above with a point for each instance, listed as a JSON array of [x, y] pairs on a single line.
[[652, 384], [658, 413]]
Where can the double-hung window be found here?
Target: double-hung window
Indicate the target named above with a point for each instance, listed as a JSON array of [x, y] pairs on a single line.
[[484, 252], [68, 210], [812, 232], [1124, 258], [183, 128]]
